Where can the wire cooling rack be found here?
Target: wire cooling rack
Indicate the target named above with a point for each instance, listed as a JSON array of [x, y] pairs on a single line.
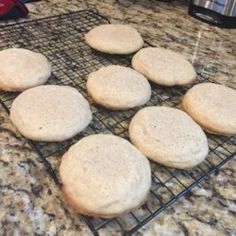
[[61, 39]]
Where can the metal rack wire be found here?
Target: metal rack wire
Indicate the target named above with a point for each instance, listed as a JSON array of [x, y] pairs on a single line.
[[61, 39]]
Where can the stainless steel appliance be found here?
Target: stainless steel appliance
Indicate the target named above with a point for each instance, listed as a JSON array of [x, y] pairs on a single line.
[[219, 12]]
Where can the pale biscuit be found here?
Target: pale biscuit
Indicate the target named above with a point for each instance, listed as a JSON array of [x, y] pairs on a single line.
[[168, 136], [104, 176], [118, 87], [164, 67], [114, 39], [213, 106], [21, 69], [50, 113]]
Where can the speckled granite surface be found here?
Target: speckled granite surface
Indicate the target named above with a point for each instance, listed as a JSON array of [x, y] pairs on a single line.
[[31, 204]]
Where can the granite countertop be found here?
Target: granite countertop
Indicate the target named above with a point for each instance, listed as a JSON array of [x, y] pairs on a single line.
[[30, 202]]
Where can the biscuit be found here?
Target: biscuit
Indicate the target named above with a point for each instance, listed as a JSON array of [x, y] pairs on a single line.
[[50, 113], [168, 136], [163, 66], [104, 176], [114, 39], [213, 106], [22, 69], [118, 87]]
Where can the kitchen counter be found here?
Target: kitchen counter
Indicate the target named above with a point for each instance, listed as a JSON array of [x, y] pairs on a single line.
[[30, 202]]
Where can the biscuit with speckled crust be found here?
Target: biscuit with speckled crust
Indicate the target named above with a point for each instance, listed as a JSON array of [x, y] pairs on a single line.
[[105, 176], [114, 39], [21, 69], [168, 136], [50, 113], [213, 106], [118, 87], [164, 67]]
